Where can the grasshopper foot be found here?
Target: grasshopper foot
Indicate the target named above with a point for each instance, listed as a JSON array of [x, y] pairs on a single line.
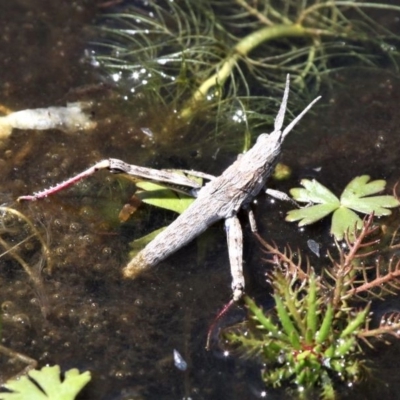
[[238, 292]]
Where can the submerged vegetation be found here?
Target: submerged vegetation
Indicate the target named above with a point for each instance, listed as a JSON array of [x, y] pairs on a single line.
[[23, 244], [316, 334], [46, 384], [225, 61], [221, 64]]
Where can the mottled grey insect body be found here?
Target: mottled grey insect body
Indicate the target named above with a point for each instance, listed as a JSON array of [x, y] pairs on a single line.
[[220, 199]]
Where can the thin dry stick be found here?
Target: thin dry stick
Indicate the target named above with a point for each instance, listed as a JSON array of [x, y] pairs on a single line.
[[32, 364], [18, 214], [9, 250], [33, 276]]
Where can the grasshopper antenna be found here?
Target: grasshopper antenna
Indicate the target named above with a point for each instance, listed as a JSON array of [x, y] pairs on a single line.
[[298, 118], [282, 110], [281, 114]]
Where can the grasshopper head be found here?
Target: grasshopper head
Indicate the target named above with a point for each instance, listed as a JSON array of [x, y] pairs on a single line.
[[278, 135]]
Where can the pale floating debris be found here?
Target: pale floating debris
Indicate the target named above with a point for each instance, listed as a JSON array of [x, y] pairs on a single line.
[[313, 246], [179, 362], [68, 119], [148, 132]]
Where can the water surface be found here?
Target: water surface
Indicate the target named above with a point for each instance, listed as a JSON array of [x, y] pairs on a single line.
[[82, 313]]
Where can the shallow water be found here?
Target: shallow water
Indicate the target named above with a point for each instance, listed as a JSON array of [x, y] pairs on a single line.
[[83, 314]]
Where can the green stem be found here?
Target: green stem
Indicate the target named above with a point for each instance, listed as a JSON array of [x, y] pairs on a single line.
[[242, 48], [336, 4]]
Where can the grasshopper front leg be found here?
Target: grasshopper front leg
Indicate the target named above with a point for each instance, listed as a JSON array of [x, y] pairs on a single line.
[[120, 167]]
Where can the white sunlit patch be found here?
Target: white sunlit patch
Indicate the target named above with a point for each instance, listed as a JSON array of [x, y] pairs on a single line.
[[131, 31], [179, 362], [135, 75], [239, 116], [116, 77], [147, 131], [91, 56]]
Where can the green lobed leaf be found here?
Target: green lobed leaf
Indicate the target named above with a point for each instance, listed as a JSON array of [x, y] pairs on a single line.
[[309, 215], [377, 204], [22, 388], [360, 187], [314, 192], [354, 194], [353, 198], [345, 220], [45, 384]]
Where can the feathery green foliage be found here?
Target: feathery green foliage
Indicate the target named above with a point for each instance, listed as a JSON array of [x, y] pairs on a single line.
[[193, 56], [312, 337]]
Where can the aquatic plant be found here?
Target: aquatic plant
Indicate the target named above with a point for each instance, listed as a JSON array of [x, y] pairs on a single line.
[[18, 233], [320, 203], [156, 195], [314, 335], [356, 196], [230, 58], [21, 240], [46, 384]]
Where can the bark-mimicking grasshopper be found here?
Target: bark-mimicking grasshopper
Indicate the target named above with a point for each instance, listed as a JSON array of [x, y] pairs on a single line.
[[221, 198]]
